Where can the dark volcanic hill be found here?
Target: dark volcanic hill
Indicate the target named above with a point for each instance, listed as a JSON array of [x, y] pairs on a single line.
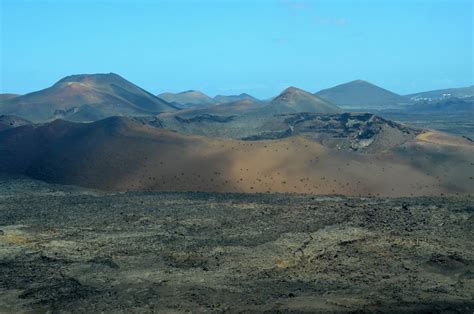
[[293, 100], [123, 154], [441, 94], [188, 99], [85, 97], [222, 99], [361, 94]]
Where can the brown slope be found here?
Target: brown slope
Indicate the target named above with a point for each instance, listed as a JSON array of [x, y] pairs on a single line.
[[102, 95], [120, 154]]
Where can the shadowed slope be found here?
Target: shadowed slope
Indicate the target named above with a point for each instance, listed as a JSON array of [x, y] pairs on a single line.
[[7, 122], [101, 95], [121, 154]]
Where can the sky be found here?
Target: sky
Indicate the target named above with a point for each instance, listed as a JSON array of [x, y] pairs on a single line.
[[231, 47]]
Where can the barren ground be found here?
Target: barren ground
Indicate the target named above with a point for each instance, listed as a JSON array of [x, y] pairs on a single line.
[[74, 250]]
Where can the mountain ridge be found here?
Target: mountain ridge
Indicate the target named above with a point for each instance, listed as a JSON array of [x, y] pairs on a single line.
[[105, 94]]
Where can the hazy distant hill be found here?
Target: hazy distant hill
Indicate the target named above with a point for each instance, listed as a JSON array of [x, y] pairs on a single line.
[[222, 99], [104, 95], [439, 94], [120, 154], [196, 99], [7, 96], [242, 107], [361, 94], [187, 99]]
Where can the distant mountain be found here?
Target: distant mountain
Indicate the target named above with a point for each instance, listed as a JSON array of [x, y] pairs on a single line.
[[439, 94], [361, 94], [8, 122], [7, 96], [294, 99], [448, 105], [247, 117], [221, 99], [101, 95], [242, 107], [291, 100], [188, 99]]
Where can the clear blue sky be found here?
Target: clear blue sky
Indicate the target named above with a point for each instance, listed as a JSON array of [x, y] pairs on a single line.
[[229, 47]]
